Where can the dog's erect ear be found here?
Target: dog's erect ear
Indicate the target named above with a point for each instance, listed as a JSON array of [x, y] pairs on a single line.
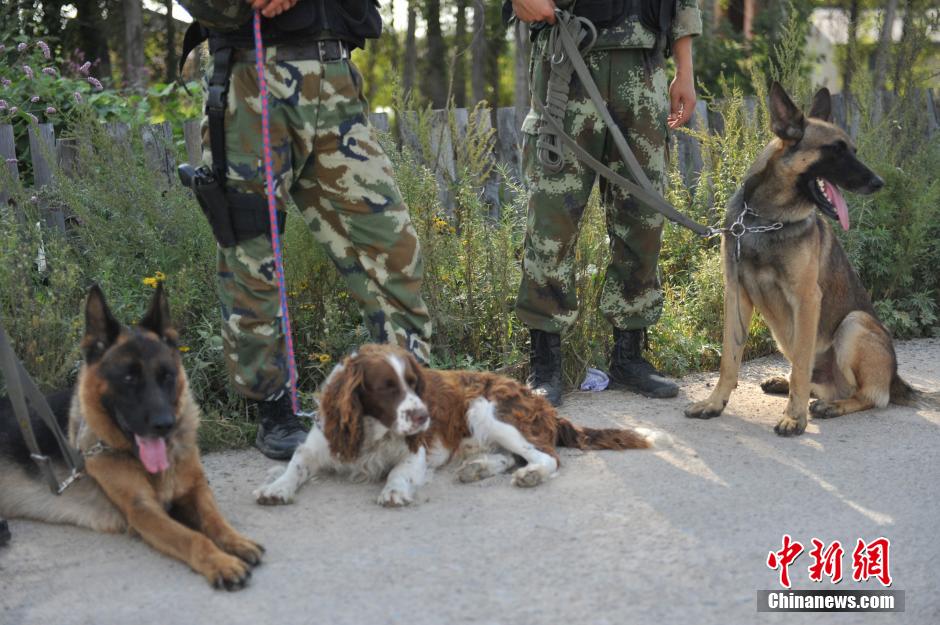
[[341, 410], [157, 317], [786, 119], [822, 105], [101, 328]]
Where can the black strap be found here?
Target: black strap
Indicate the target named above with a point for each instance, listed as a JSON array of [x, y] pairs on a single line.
[[194, 36], [20, 387], [216, 102]]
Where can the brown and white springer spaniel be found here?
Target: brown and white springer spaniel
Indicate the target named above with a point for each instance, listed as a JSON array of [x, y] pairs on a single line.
[[383, 414]]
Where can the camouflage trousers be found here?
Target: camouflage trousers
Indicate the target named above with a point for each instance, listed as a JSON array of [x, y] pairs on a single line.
[[328, 160], [634, 84]]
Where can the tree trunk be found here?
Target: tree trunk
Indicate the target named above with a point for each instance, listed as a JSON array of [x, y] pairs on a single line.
[[92, 40], [496, 34], [523, 49], [478, 53], [394, 45], [411, 50], [133, 44], [905, 57], [851, 50], [884, 45], [170, 59], [460, 51], [434, 77]]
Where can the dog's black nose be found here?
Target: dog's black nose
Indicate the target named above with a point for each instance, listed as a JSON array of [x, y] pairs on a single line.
[[876, 183], [161, 424]]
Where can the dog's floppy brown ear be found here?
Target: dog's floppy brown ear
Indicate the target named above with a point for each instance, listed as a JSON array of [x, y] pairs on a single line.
[[157, 317], [341, 410], [786, 119], [418, 371], [822, 105], [101, 328]]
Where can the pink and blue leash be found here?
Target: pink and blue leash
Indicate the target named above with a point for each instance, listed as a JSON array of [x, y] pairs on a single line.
[[272, 217]]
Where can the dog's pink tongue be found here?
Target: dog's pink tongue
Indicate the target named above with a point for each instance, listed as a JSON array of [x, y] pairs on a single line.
[[842, 209], [153, 454]]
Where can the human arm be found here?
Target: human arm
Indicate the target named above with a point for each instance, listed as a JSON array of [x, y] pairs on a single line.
[[682, 89]]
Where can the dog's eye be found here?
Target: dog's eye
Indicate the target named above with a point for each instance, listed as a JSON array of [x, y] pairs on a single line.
[[130, 378], [168, 379], [411, 381], [391, 385]]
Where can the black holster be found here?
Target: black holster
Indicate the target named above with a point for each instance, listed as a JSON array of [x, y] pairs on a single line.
[[234, 217]]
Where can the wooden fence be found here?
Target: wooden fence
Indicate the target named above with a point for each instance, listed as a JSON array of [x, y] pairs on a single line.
[[52, 157]]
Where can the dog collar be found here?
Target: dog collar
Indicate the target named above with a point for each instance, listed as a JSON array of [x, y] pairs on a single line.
[[99, 448], [737, 229]]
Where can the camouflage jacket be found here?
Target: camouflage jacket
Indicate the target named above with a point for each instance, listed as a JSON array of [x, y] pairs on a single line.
[[632, 34]]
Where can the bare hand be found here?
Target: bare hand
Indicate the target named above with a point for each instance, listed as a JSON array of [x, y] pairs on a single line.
[[681, 100], [270, 8], [534, 10]]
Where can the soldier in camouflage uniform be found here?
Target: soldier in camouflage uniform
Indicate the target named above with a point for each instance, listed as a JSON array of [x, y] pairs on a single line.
[[328, 160], [627, 65]]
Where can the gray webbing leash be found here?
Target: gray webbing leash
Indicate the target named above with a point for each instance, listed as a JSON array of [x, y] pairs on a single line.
[[20, 387], [569, 53]]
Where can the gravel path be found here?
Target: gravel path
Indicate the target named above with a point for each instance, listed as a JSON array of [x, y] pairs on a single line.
[[679, 535]]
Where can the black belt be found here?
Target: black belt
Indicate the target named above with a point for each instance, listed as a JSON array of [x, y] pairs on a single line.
[[326, 51]]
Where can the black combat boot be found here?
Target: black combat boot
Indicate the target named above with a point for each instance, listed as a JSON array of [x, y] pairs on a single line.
[[628, 368], [4, 532], [545, 365], [279, 429]]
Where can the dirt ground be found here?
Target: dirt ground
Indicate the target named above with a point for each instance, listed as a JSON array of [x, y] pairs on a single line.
[[680, 535]]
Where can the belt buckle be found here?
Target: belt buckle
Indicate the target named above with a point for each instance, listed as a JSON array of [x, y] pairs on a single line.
[[325, 46]]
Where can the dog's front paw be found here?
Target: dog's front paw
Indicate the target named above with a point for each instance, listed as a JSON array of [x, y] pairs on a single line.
[[226, 571], [273, 495], [706, 409], [392, 497], [822, 409], [528, 476], [246, 549], [474, 470], [788, 426]]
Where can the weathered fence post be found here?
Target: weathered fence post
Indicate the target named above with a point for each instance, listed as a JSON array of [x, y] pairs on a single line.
[[158, 144], [67, 156], [379, 121], [42, 151], [12, 178], [688, 150], [192, 137]]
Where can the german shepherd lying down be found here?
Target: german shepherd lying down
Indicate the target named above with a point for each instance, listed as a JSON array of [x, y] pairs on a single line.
[[132, 416], [799, 277]]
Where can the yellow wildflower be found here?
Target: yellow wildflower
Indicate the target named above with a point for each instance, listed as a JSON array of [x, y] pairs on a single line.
[[325, 358], [150, 281], [184, 348], [160, 276]]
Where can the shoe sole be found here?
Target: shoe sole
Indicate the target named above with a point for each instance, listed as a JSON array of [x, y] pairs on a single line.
[[272, 453]]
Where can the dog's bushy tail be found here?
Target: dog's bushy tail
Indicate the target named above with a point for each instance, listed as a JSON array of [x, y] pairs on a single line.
[[571, 435], [904, 394]]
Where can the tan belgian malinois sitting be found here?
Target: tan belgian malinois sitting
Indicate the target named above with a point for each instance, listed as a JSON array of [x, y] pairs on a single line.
[[799, 277]]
